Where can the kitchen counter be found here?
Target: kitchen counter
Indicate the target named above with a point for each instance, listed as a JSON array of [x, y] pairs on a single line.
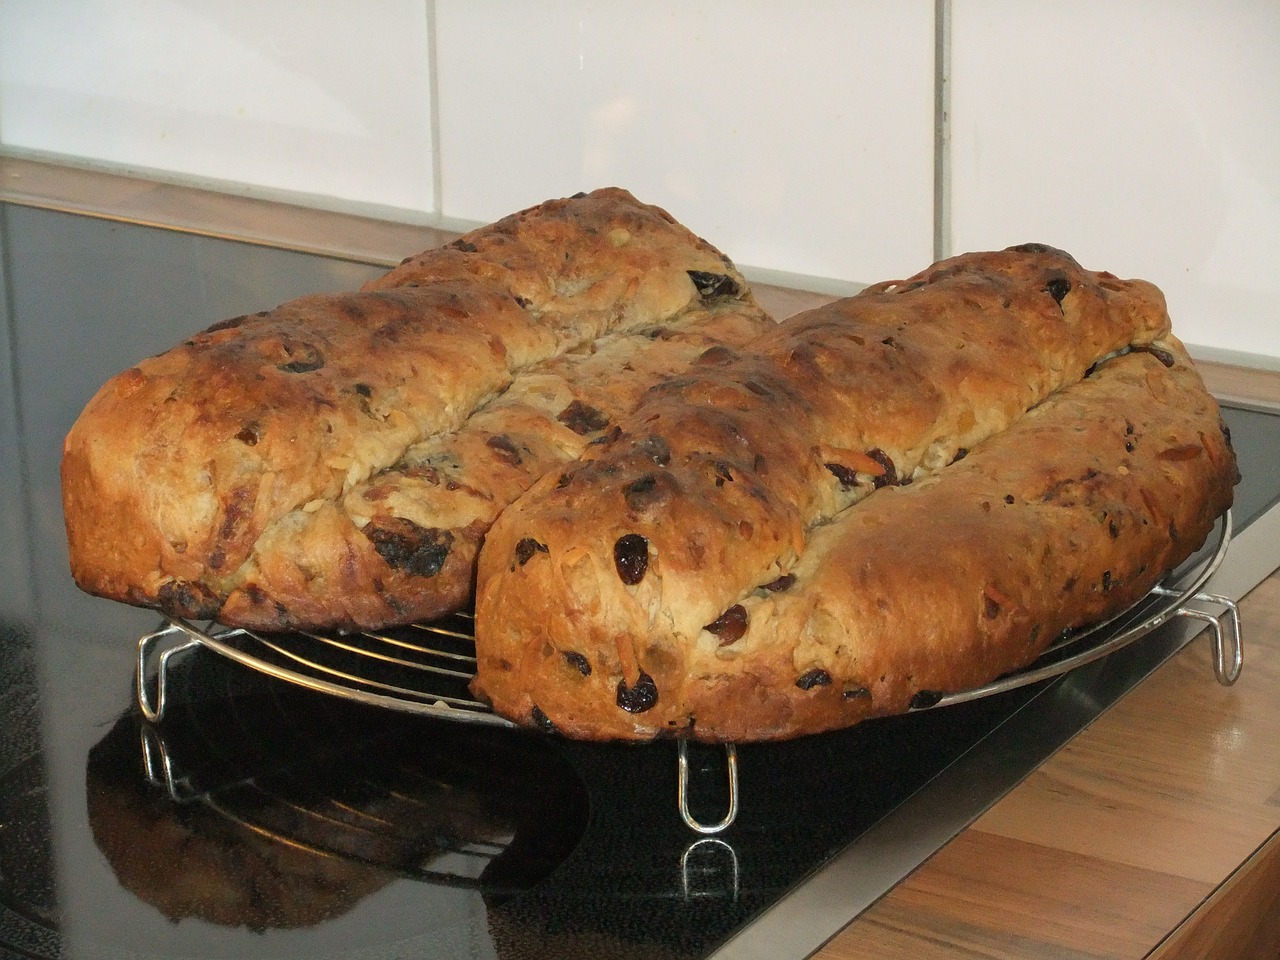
[[1153, 833]]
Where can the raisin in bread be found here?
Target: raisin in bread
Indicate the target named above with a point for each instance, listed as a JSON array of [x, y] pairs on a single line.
[[914, 489]]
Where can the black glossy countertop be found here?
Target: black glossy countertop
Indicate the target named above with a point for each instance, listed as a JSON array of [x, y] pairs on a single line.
[[288, 824]]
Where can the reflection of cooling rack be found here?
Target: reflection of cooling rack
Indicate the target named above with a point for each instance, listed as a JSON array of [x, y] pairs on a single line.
[[426, 668]]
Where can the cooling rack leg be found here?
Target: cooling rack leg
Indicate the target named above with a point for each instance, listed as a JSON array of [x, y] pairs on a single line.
[[698, 863], [682, 790], [152, 705], [1227, 644]]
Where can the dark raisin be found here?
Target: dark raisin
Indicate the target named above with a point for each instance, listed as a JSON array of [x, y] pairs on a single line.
[[814, 678], [526, 548], [579, 195], [578, 662], [631, 557], [249, 435], [784, 582], [961, 453], [990, 607], [607, 438], [1058, 288], [190, 599], [722, 472], [890, 475], [465, 246], [541, 720], [655, 448], [1113, 528], [582, 418], [406, 546], [714, 286], [1008, 498], [847, 476], [856, 693], [304, 357], [364, 390], [563, 481], [501, 444], [639, 698], [1129, 446], [1106, 581], [730, 625], [924, 699], [1164, 356]]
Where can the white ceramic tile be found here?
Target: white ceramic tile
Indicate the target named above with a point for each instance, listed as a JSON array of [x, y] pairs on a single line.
[[328, 98], [796, 137], [1141, 138]]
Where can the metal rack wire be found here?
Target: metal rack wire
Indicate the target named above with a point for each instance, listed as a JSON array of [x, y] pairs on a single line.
[[425, 669]]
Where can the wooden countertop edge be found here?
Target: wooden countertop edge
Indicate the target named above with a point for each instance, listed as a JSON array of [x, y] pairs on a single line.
[[953, 905]]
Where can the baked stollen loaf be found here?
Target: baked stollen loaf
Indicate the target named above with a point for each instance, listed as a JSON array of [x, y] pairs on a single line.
[[335, 461], [905, 493]]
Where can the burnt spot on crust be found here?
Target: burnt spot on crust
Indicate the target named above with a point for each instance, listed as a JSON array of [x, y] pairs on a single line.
[[582, 418], [578, 662], [406, 546], [541, 720], [924, 699], [190, 599], [715, 286], [526, 548], [814, 678], [655, 448], [303, 357], [717, 354], [631, 558], [730, 625], [639, 698], [649, 491], [506, 450]]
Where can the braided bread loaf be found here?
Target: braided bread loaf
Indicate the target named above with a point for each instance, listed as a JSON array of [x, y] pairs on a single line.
[[914, 489], [335, 462]]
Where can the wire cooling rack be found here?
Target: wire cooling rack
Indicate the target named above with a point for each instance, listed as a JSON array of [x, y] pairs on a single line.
[[426, 668]]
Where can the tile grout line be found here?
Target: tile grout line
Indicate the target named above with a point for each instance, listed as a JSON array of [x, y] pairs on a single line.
[[433, 107], [942, 240]]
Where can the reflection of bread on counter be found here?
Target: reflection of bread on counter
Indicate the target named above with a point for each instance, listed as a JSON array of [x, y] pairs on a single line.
[[299, 847], [190, 861]]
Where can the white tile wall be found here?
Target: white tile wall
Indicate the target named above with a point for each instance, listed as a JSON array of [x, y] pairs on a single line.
[[322, 97], [1144, 139], [799, 138]]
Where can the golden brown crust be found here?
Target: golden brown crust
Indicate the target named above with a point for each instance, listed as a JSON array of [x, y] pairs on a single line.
[[215, 479], [763, 601]]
